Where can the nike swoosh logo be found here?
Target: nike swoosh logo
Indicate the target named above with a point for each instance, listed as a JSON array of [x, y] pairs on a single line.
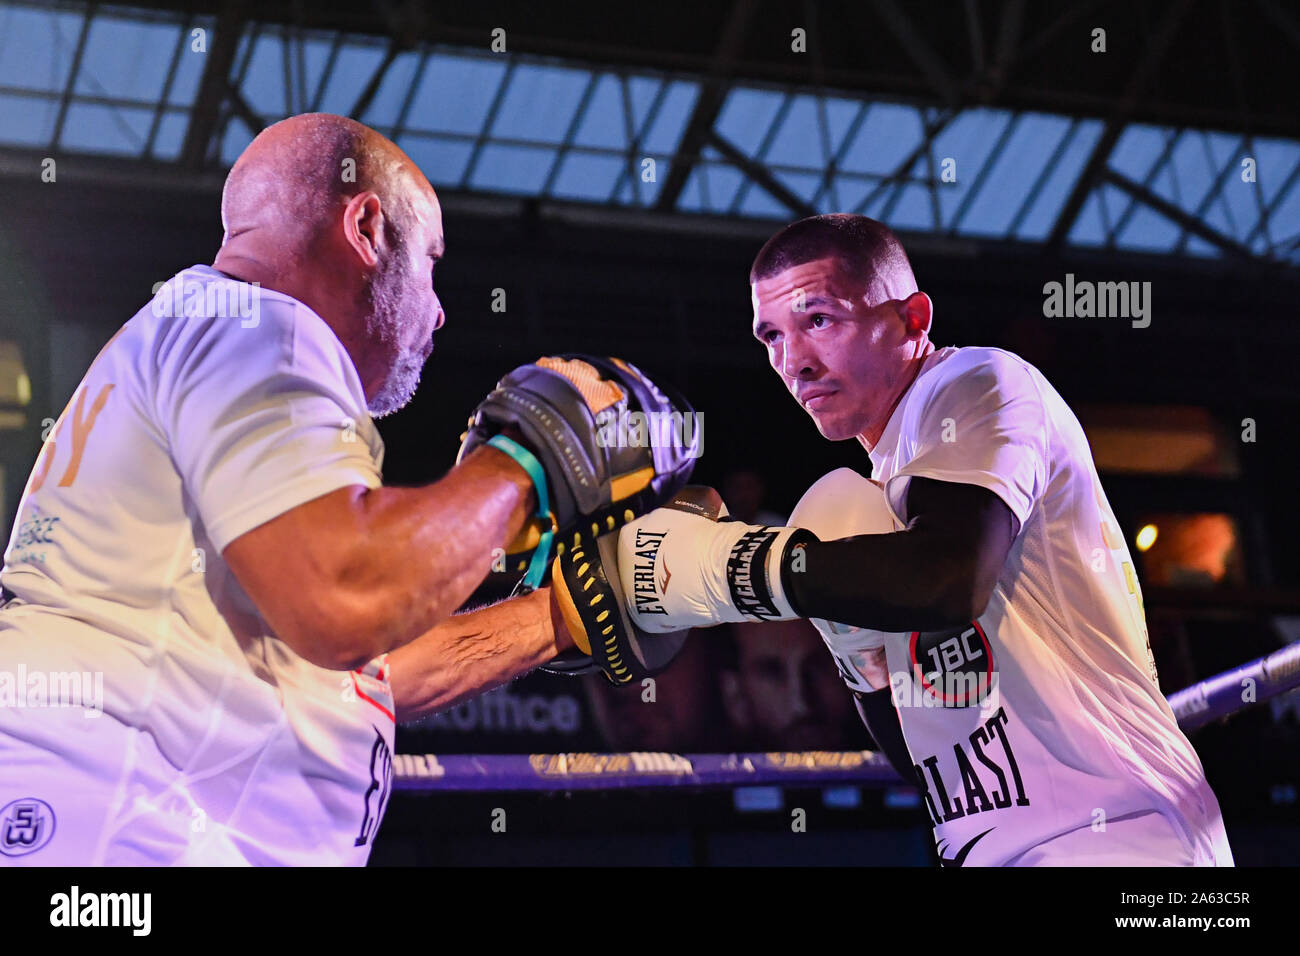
[[663, 585], [960, 858]]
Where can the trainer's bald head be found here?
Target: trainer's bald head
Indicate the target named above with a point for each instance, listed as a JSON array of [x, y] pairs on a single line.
[[330, 212], [295, 174]]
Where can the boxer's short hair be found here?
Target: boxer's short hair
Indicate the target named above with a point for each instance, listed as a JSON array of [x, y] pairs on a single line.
[[866, 247]]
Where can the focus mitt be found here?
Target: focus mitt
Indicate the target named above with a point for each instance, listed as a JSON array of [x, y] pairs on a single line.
[[602, 442]]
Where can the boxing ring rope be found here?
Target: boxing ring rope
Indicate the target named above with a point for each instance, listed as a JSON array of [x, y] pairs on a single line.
[[619, 771], [1222, 694], [1216, 697]]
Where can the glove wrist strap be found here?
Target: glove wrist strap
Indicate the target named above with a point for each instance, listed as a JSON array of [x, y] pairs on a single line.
[[754, 572], [529, 463]]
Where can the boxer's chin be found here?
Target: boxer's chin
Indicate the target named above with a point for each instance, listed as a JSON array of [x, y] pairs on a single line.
[[832, 427]]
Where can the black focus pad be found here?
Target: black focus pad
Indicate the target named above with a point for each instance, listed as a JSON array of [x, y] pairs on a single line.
[[558, 426], [677, 433], [590, 596], [574, 413]]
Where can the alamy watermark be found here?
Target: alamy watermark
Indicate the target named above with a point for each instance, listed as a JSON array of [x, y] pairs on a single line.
[[221, 298], [624, 429], [946, 689], [39, 688], [1101, 300]]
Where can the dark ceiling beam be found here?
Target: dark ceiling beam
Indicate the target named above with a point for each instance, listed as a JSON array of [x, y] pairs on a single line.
[[759, 155], [1233, 53], [919, 49], [1278, 198], [371, 89], [1289, 27], [933, 127], [1162, 161], [326, 72], [66, 100], [1009, 29], [1147, 67], [108, 181], [214, 87], [155, 124], [1219, 180], [761, 175], [1086, 105], [405, 24], [713, 93], [239, 107], [1028, 39], [975, 33], [1192, 224], [1073, 14]]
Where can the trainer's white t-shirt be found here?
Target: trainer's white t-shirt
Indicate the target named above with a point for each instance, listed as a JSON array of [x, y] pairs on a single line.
[[189, 430], [1070, 729]]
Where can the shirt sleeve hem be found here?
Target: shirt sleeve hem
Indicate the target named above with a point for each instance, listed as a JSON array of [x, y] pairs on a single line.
[[1012, 498], [234, 524]]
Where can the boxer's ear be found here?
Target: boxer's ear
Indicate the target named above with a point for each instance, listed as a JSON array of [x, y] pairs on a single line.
[[917, 311]]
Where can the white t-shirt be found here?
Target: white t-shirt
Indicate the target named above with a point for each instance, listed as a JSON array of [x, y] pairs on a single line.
[[189, 430], [1055, 720]]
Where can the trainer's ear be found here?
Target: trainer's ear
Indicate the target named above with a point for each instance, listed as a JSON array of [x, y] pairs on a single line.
[[363, 227], [917, 311]]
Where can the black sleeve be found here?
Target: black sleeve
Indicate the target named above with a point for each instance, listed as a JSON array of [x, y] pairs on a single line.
[[881, 718], [938, 572]]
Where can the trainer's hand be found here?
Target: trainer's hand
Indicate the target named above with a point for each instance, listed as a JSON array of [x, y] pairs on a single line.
[[683, 567], [569, 411]]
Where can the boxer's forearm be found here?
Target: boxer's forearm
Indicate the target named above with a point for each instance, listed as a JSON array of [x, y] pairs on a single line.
[[475, 652], [886, 582], [939, 572]]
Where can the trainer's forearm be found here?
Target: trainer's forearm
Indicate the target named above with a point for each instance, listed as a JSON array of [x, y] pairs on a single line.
[[421, 552], [474, 652]]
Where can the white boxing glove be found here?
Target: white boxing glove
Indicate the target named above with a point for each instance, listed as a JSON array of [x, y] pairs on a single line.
[[843, 504], [683, 567]]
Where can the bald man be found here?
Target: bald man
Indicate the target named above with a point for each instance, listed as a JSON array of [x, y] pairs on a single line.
[[212, 607], [992, 586]]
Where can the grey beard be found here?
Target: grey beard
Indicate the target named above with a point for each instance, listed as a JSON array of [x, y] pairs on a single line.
[[399, 387], [389, 309]]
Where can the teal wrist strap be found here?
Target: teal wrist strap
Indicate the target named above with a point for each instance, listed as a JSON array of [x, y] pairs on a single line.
[[529, 463]]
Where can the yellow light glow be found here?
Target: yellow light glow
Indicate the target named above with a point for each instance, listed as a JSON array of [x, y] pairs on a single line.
[[1146, 537]]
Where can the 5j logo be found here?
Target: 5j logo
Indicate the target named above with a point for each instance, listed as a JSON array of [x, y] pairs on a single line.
[[26, 825]]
